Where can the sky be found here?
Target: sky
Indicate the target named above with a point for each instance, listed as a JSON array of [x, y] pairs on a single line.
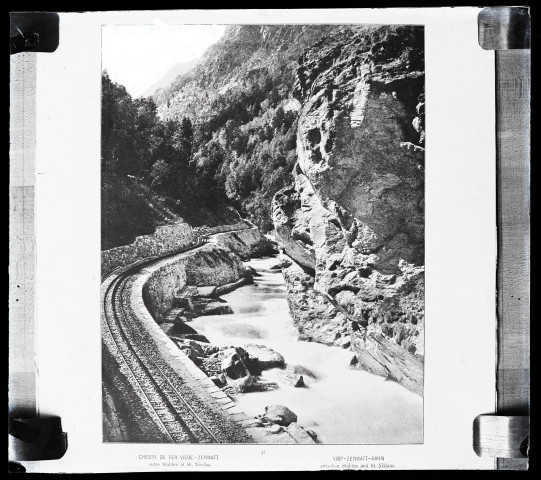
[[138, 56]]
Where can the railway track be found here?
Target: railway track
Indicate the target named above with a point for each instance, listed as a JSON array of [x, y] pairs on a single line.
[[175, 408]]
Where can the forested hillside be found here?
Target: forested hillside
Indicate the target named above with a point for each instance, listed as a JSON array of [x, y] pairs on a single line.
[[147, 177], [315, 133], [222, 134], [239, 100]]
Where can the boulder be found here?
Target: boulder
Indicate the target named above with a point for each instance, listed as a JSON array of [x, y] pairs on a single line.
[[345, 342], [283, 262], [233, 366], [184, 298], [199, 303], [236, 364], [195, 350], [187, 351], [265, 386], [207, 291], [250, 271], [219, 380], [180, 327], [212, 367], [242, 385], [201, 349], [229, 287], [216, 308], [263, 356], [299, 382], [299, 434], [199, 338], [166, 327], [280, 415], [291, 377]]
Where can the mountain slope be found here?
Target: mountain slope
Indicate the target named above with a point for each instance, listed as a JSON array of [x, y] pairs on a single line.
[[130, 209], [146, 177], [178, 69], [239, 99]]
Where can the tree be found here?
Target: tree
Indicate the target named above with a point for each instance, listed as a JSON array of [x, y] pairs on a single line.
[[118, 118], [181, 154], [160, 172], [279, 117]]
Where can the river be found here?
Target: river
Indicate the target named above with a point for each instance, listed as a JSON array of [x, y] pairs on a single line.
[[340, 404]]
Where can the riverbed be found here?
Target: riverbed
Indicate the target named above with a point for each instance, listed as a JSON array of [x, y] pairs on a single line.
[[340, 404]]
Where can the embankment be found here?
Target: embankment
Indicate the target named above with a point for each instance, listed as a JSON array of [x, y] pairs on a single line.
[[151, 293], [166, 239], [208, 265], [215, 264]]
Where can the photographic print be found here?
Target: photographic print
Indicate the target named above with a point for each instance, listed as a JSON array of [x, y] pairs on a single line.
[[262, 233]]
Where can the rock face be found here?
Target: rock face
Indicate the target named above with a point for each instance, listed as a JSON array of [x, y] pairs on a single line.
[[292, 227], [354, 219]]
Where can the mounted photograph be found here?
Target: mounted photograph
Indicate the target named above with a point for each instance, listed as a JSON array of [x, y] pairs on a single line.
[[263, 233]]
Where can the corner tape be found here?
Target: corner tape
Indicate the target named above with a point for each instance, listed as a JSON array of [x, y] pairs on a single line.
[[34, 32], [501, 436], [504, 28], [36, 439]]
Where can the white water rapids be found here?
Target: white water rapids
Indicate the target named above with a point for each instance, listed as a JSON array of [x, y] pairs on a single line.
[[341, 405]]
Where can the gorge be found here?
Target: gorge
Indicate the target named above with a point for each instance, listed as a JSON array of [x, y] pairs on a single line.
[[315, 135]]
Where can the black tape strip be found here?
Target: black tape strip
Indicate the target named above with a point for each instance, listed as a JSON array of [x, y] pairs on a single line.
[[23, 431], [14, 467], [37, 439], [34, 31]]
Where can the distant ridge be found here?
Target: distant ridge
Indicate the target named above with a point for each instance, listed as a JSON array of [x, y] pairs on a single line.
[[172, 73]]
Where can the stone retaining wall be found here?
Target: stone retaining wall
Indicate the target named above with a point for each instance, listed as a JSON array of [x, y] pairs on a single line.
[[152, 293], [165, 239], [208, 265], [162, 241]]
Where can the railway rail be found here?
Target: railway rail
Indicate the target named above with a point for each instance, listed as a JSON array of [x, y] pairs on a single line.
[[179, 412]]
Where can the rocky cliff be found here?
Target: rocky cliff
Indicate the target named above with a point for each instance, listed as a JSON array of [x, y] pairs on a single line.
[[353, 221]]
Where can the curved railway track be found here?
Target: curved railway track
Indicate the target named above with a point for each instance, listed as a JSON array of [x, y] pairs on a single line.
[[175, 408]]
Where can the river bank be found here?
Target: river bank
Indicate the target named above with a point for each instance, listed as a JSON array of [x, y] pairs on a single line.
[[234, 323], [338, 403]]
